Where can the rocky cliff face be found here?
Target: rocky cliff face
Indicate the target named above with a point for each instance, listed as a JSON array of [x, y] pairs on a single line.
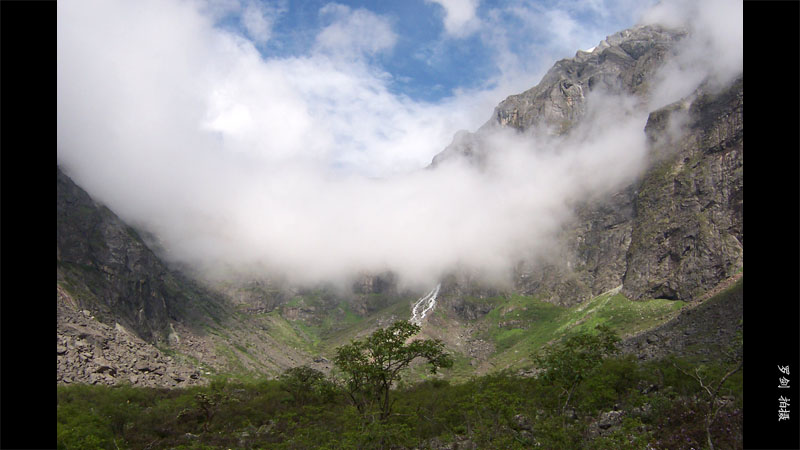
[[124, 316], [102, 258], [89, 351], [118, 303], [112, 273], [688, 231], [675, 232]]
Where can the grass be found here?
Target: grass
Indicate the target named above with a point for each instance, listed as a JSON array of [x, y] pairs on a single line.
[[322, 334], [287, 333], [295, 302], [462, 370], [235, 368], [341, 336], [517, 326], [485, 409], [624, 316], [524, 324], [343, 316]]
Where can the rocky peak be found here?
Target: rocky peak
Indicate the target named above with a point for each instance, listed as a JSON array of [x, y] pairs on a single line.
[[620, 64]]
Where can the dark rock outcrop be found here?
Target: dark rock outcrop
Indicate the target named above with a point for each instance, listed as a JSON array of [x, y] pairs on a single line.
[[109, 270], [702, 331], [687, 233]]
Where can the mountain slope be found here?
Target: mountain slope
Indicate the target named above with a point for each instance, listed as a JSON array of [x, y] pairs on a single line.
[[111, 272], [124, 316]]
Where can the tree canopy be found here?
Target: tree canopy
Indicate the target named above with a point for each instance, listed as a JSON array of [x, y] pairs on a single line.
[[567, 363], [371, 366]]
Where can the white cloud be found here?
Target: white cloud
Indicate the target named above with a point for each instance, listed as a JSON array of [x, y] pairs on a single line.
[[460, 18], [219, 9], [354, 33], [712, 52], [258, 19], [240, 161]]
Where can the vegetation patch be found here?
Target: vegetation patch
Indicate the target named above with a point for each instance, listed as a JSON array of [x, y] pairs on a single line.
[[523, 323], [287, 333], [619, 403]]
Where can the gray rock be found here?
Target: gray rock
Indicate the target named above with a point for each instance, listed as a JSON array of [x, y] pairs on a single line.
[[609, 419], [96, 353], [523, 422]]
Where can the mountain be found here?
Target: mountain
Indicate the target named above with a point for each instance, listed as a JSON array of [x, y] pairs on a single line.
[[112, 272], [647, 256], [676, 231], [125, 316]]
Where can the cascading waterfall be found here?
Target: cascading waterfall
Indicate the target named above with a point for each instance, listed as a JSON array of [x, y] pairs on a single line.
[[429, 301]]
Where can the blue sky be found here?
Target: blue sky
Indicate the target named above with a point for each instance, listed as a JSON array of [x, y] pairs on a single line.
[[439, 48], [369, 88]]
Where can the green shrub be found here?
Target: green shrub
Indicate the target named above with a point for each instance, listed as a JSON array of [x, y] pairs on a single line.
[[614, 381], [632, 435]]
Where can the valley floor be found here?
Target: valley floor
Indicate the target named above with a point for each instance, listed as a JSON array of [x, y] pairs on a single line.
[[649, 396]]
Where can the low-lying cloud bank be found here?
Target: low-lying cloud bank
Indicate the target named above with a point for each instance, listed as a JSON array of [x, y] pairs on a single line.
[[307, 166]]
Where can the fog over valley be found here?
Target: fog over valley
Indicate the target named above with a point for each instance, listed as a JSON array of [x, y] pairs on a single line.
[[312, 166]]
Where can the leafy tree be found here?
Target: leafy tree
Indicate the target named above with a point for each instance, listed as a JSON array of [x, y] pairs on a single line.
[[631, 435], [371, 366], [306, 383], [733, 361], [567, 363], [210, 403], [613, 381]]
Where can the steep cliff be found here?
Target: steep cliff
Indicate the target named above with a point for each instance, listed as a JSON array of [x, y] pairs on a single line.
[[688, 229], [109, 270]]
